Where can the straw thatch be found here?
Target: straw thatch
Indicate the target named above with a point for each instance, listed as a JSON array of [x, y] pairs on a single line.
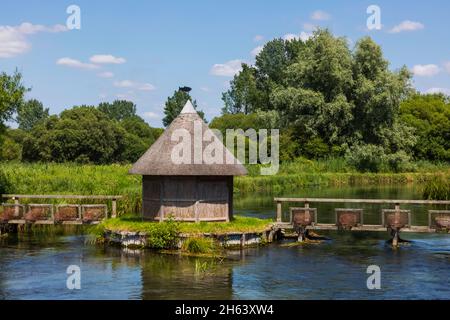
[[157, 160]]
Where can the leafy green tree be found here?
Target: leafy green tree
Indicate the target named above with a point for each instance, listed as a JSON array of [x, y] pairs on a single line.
[[30, 113], [330, 97], [138, 127], [429, 115], [175, 104], [243, 95], [12, 93], [118, 109]]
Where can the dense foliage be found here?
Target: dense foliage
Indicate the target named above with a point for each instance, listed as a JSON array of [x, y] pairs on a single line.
[[330, 100], [175, 104], [109, 133]]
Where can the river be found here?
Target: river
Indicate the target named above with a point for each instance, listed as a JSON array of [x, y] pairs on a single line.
[[34, 267]]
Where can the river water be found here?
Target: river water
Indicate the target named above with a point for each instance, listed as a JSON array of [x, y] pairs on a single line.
[[34, 267]]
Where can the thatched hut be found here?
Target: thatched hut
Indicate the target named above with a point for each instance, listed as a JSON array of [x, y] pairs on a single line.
[[191, 190]]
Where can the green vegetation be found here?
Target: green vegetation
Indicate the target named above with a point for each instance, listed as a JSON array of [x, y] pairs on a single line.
[[430, 116], [200, 245], [238, 224], [437, 189], [70, 178], [333, 101], [328, 99], [175, 104], [109, 133]]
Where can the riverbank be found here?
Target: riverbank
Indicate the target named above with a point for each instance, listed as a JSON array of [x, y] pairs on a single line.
[[51, 178]]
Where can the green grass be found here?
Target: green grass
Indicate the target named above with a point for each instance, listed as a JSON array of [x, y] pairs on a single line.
[[238, 224], [200, 246], [437, 189]]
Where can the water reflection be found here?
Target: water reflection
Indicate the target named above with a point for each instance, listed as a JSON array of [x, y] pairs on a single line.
[[34, 267]]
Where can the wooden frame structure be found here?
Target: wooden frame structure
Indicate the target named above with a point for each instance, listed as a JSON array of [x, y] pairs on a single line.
[[21, 207]]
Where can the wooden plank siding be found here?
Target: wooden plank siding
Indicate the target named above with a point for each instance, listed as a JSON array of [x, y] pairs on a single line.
[[187, 198]]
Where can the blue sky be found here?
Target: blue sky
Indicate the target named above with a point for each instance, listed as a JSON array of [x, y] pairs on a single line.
[[143, 51]]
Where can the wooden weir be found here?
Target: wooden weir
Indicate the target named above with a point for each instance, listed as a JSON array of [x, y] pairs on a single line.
[[392, 220], [16, 212]]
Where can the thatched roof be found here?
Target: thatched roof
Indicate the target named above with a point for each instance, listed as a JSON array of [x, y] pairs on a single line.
[[158, 159]]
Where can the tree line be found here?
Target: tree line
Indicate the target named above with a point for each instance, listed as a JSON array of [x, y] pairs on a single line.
[[327, 99], [333, 101], [107, 133]]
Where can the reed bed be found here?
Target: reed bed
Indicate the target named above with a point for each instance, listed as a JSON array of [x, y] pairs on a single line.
[[52, 178]]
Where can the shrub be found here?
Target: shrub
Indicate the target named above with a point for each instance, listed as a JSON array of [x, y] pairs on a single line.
[[399, 162], [199, 245], [5, 184], [164, 235], [365, 157]]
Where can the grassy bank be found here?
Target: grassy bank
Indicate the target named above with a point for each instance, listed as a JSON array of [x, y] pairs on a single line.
[[165, 235], [238, 224], [114, 179]]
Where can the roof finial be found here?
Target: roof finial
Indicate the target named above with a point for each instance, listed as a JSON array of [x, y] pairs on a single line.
[[188, 108]]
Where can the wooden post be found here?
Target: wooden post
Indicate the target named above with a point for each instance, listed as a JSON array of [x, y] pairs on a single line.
[[279, 211], [161, 202], [113, 208], [16, 207], [307, 211], [196, 213], [397, 214], [395, 238]]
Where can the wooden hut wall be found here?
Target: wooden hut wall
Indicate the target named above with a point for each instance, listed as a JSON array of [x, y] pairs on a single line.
[[189, 198], [151, 197]]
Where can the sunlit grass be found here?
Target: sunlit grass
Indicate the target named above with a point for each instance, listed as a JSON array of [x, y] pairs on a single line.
[[238, 224]]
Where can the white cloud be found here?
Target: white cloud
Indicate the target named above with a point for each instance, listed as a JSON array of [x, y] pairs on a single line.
[[320, 15], [106, 74], [146, 87], [72, 63], [102, 95], [302, 36], [106, 59], [14, 39], [447, 66], [227, 69], [151, 115], [205, 89], [134, 85], [256, 50], [439, 90], [425, 70], [407, 25], [124, 84], [258, 38]]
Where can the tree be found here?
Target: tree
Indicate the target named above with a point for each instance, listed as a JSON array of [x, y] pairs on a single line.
[[118, 110], [30, 113], [85, 134], [429, 115], [243, 96], [138, 127], [330, 96], [175, 104], [12, 93]]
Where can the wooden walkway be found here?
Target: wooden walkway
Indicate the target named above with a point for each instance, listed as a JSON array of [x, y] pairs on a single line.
[[366, 227]]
